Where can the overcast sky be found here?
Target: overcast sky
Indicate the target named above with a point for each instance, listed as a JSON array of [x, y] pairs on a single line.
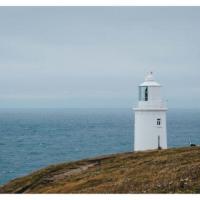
[[97, 56]]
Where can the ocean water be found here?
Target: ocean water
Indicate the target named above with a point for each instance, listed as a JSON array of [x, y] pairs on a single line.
[[34, 138]]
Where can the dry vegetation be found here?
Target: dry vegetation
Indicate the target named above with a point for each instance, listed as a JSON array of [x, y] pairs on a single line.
[[163, 171]]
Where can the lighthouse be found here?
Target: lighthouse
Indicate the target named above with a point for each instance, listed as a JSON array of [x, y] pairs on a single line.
[[150, 117]]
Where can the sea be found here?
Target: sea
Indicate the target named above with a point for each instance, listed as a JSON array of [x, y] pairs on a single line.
[[31, 139]]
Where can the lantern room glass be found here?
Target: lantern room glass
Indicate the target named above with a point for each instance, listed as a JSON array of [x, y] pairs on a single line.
[[143, 93]]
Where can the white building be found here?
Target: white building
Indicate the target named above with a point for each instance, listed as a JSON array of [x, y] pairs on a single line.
[[150, 117]]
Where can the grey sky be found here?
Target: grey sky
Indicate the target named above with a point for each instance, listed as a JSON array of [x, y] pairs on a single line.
[[97, 56]]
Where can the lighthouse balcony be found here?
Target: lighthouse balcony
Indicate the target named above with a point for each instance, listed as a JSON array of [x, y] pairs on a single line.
[[153, 104]]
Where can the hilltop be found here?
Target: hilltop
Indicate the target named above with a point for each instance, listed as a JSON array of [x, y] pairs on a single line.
[[174, 170]]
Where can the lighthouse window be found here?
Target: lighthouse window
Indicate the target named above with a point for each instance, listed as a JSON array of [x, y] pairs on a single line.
[[158, 121], [143, 93], [146, 94]]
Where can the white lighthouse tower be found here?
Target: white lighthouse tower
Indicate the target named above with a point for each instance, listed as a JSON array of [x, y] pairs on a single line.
[[150, 117]]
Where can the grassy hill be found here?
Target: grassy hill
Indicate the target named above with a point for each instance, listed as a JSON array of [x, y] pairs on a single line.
[[163, 171]]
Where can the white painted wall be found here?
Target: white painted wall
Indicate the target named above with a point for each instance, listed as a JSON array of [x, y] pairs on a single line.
[[154, 93], [147, 130]]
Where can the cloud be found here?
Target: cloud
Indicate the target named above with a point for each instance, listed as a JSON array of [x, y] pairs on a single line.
[[97, 57]]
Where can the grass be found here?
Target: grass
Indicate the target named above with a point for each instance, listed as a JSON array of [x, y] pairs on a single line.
[[174, 170]]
